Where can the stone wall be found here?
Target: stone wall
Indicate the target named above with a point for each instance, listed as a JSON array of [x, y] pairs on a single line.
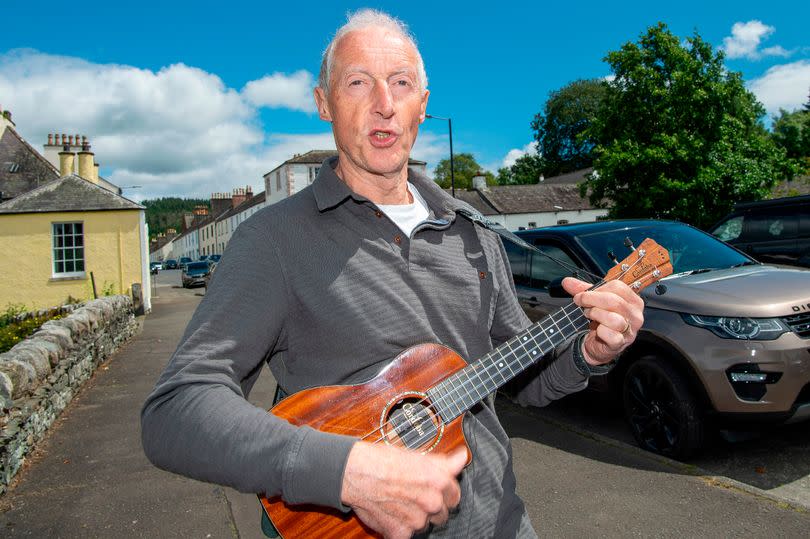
[[40, 375]]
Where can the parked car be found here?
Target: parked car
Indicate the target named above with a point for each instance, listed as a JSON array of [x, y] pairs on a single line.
[[171, 263], [209, 275], [202, 257], [194, 273], [184, 260], [725, 339], [775, 231], [214, 259], [154, 267]]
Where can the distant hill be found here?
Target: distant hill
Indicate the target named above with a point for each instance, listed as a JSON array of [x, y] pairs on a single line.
[[165, 213]]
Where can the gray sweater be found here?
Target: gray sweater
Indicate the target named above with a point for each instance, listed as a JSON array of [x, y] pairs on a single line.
[[326, 289]]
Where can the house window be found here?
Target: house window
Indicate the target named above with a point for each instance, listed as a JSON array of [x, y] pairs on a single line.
[[278, 180], [68, 249], [313, 173]]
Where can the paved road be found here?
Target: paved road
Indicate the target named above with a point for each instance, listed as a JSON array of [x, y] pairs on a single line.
[[90, 478]]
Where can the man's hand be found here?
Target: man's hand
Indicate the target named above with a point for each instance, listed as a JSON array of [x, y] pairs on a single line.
[[399, 492], [616, 314]]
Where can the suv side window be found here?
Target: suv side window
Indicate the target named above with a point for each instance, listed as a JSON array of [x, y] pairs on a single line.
[[729, 230], [518, 259], [544, 270], [771, 224]]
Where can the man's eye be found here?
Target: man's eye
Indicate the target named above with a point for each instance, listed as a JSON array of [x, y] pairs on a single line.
[[355, 82], [403, 82]]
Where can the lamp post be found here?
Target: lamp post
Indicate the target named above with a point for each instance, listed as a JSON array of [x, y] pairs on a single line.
[[450, 131]]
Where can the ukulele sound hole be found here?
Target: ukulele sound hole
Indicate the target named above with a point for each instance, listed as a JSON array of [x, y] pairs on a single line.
[[411, 423]]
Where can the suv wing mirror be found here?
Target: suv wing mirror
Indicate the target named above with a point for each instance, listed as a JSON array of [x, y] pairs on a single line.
[[556, 290]]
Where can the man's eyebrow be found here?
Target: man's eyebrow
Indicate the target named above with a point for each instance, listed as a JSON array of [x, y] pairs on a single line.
[[351, 70]]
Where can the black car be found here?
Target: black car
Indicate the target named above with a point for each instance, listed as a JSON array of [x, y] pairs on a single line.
[[774, 231], [170, 264], [194, 273]]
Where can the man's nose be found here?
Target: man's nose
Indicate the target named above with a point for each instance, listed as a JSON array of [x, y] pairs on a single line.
[[383, 100]]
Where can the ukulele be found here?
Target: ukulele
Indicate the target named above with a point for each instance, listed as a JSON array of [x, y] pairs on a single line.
[[418, 401]]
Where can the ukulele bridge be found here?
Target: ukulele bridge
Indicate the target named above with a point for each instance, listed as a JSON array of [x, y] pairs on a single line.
[[410, 421]]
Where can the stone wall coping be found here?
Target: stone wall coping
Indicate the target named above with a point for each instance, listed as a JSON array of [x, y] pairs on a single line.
[[29, 362]]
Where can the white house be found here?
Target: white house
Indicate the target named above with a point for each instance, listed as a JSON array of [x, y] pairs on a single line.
[[554, 201], [301, 170]]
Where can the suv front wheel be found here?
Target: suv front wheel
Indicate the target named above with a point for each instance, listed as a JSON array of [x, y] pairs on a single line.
[[660, 407]]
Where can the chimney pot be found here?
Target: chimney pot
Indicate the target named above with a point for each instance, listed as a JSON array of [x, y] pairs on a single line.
[[50, 139], [64, 139]]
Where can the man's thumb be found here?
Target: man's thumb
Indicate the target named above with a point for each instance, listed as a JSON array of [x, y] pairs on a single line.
[[457, 460]]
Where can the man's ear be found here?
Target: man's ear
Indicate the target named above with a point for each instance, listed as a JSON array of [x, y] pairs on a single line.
[[323, 104], [423, 108]]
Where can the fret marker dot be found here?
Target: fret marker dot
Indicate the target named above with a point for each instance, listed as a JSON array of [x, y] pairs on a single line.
[[551, 331], [534, 352], [500, 364], [525, 338]]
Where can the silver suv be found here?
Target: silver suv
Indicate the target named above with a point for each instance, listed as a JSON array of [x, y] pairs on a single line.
[[725, 338]]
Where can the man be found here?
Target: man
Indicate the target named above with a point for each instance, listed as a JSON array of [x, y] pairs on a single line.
[[330, 285]]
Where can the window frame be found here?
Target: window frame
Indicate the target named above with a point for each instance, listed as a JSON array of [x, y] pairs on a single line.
[[54, 247]]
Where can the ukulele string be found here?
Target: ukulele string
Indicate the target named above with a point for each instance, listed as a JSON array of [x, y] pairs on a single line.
[[431, 406]]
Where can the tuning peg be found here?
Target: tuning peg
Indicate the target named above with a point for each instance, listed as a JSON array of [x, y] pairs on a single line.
[[660, 289], [629, 243], [612, 256]]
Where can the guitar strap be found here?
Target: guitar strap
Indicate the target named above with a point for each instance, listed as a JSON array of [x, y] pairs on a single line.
[[477, 218]]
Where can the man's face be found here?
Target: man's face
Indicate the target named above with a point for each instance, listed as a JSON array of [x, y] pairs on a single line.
[[375, 103]]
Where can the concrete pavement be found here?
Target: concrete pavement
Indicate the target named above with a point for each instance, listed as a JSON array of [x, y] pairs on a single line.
[[90, 477]]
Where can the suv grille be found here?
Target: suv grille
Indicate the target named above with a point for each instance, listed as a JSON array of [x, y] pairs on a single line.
[[800, 324]]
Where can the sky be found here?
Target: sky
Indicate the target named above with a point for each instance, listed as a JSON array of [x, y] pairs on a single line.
[[190, 98]]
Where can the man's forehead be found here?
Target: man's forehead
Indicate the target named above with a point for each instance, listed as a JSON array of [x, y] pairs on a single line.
[[374, 42]]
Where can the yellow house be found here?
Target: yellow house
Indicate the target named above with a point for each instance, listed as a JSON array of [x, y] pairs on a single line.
[[70, 238]]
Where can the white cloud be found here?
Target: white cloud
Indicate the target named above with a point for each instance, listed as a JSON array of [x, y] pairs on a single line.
[[745, 39], [431, 147], [783, 86], [176, 131], [516, 153], [280, 90]]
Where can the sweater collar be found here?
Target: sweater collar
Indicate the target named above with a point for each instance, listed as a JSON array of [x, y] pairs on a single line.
[[330, 192]]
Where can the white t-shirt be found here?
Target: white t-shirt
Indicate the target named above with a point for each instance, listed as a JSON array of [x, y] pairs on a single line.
[[407, 216]]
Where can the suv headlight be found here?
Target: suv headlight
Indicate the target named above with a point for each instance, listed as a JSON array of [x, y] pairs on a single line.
[[729, 327]]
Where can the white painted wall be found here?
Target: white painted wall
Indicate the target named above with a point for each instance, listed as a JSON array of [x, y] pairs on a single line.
[[517, 220]]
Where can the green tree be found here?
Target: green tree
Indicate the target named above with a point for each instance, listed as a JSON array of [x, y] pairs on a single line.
[[464, 168], [525, 170], [167, 212], [679, 136], [561, 129], [791, 131]]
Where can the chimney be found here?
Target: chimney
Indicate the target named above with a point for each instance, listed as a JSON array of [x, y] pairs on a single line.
[[220, 203], [95, 172], [87, 168], [479, 181], [65, 161], [50, 139], [5, 119], [240, 195]]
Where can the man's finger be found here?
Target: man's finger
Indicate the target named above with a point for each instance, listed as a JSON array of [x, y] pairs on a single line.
[[574, 286]]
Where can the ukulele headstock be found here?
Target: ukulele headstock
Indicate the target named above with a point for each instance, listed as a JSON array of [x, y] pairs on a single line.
[[645, 265]]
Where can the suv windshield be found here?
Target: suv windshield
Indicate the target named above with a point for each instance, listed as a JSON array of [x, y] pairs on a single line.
[[689, 249], [196, 266]]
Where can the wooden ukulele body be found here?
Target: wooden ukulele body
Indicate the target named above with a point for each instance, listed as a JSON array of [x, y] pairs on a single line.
[[363, 409]]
